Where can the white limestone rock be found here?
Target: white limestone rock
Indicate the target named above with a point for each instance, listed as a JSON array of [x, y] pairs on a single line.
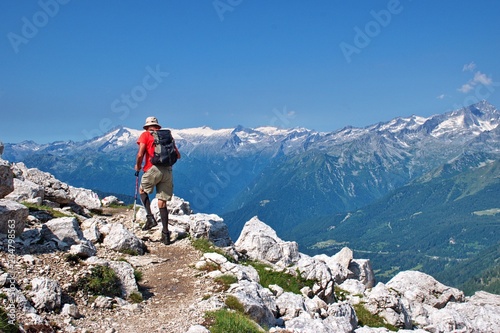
[[260, 242]]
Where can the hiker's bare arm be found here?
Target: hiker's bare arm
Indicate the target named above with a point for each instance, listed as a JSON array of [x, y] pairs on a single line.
[[140, 156]]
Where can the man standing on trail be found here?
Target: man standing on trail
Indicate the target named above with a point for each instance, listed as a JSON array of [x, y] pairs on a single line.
[[155, 176]]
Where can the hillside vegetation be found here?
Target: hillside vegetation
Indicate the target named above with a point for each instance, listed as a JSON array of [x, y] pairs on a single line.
[[444, 219]]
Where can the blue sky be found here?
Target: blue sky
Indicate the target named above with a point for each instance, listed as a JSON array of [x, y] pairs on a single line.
[[73, 69]]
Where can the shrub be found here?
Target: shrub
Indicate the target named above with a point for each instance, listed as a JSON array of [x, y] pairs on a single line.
[[101, 281], [137, 275], [73, 259], [135, 297]]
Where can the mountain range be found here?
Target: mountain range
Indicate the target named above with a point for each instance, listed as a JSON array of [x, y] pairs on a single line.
[[318, 188]]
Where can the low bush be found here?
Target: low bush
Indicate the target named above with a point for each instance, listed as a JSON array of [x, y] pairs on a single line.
[[102, 280], [135, 297]]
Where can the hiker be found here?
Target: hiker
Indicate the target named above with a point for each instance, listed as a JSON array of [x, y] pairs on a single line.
[[157, 176]]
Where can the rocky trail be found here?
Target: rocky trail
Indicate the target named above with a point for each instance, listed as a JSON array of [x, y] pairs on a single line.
[[170, 286]]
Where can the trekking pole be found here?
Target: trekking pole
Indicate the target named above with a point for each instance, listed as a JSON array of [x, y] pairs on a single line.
[[135, 197]]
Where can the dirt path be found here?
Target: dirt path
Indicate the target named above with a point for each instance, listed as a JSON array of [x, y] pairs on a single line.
[[170, 289], [170, 285]]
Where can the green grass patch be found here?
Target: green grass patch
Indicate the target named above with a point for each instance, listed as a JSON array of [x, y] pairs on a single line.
[[138, 275], [227, 321], [101, 281], [234, 304], [129, 252], [289, 282], [205, 246], [340, 294], [4, 323], [327, 244], [51, 211], [225, 281], [366, 318], [73, 259], [135, 297]]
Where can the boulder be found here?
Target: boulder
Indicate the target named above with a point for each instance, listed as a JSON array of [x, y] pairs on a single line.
[[55, 190], [121, 239], [422, 288], [482, 311], [85, 198], [338, 265], [84, 250], [341, 318], [18, 298], [241, 272], [6, 178], [258, 302], [307, 324], [178, 206], [386, 303], [290, 305], [64, 230], [25, 190], [362, 270], [71, 310], [343, 257], [46, 294], [111, 200], [318, 271], [13, 216], [448, 321], [124, 271], [260, 242], [211, 227]]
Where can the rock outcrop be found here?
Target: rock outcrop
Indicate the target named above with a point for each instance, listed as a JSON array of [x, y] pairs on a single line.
[[410, 301]]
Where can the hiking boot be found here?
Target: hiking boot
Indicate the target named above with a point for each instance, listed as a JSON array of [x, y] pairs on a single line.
[[150, 222], [165, 238]]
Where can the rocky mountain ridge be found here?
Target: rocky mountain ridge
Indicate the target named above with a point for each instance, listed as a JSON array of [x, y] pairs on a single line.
[[234, 169], [39, 283]]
